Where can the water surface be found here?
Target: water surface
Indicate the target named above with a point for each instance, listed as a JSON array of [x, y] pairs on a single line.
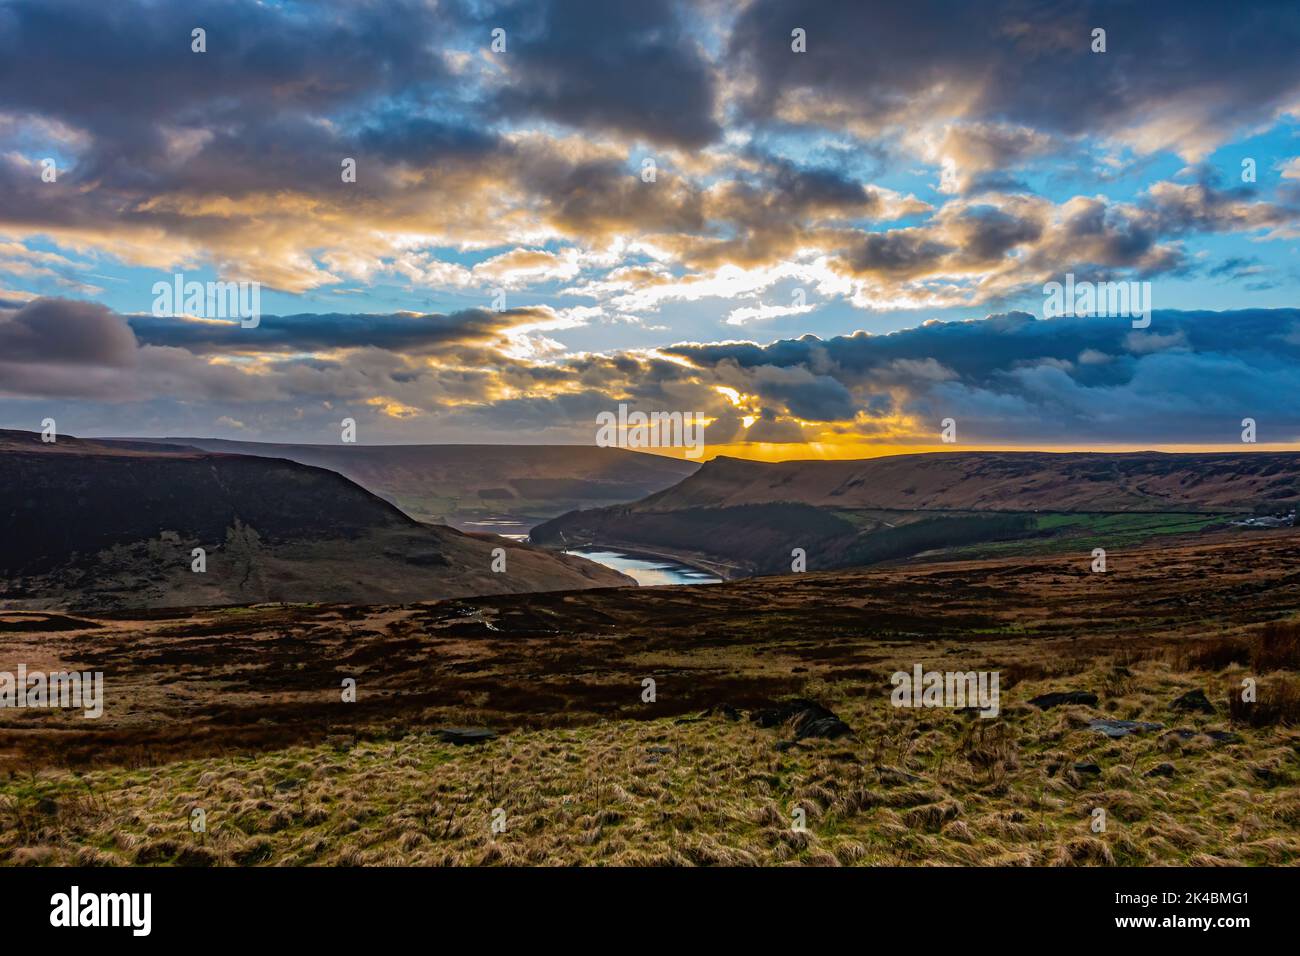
[[647, 572]]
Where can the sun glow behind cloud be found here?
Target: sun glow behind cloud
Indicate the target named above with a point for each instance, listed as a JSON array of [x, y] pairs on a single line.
[[598, 217]]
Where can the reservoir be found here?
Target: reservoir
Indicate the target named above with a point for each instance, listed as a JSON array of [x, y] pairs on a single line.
[[648, 572]]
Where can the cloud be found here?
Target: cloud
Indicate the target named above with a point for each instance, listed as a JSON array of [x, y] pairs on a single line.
[[949, 156], [630, 68], [1008, 378], [978, 156], [1014, 379], [1181, 75], [65, 332], [231, 159], [401, 332]]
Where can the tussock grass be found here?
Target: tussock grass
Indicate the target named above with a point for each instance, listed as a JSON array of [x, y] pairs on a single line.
[[1277, 647], [913, 787]]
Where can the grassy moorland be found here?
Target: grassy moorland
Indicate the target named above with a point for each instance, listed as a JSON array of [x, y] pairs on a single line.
[[236, 712], [743, 517]]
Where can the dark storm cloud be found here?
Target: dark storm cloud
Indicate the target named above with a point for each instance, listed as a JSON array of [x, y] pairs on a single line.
[[62, 348], [594, 197], [402, 332], [1189, 377], [66, 332], [809, 396], [632, 68], [1014, 378], [269, 105], [113, 65], [232, 157], [1230, 66], [769, 428], [987, 233], [898, 254], [423, 140]]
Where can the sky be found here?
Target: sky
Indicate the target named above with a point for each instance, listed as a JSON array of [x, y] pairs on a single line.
[[825, 227]]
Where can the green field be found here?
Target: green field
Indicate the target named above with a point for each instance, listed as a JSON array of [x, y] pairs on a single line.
[[1053, 533]]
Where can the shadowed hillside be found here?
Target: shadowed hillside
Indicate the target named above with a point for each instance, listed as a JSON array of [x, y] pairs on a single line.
[[1002, 481], [468, 486], [91, 524], [741, 517]]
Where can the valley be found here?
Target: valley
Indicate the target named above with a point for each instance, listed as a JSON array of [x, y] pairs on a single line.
[[111, 525], [478, 487], [535, 704], [742, 517]]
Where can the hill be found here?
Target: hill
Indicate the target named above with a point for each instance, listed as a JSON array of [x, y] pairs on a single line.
[[112, 524], [479, 487], [740, 517], [1001, 481]]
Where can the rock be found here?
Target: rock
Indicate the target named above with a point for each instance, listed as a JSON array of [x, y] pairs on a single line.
[[1160, 770], [827, 728], [1048, 701], [1121, 728], [460, 736], [807, 718], [1087, 768], [779, 714], [286, 785], [659, 750], [1194, 701]]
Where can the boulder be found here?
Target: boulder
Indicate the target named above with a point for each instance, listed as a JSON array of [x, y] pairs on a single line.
[[1121, 728], [1193, 701], [806, 717]]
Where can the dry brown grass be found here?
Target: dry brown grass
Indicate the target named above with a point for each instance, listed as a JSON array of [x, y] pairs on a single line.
[[957, 789], [588, 774], [1276, 703], [1277, 647]]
